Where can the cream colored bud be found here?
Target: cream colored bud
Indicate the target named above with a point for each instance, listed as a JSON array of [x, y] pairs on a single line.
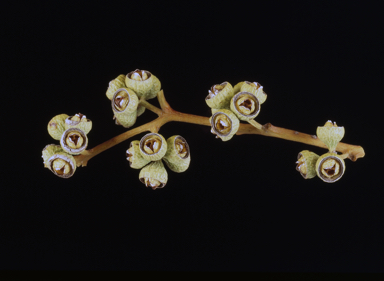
[[219, 96], [330, 134], [178, 156], [58, 161], [56, 126], [140, 110], [224, 124], [256, 89], [136, 160], [74, 141], [124, 105], [330, 167], [245, 105], [140, 81], [306, 164], [153, 146], [156, 87], [79, 121], [237, 88], [115, 84], [154, 175]]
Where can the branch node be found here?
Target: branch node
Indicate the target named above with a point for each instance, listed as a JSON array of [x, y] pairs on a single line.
[[267, 126]]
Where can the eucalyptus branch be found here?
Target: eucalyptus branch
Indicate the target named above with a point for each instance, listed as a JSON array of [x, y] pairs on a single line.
[[167, 114], [129, 95]]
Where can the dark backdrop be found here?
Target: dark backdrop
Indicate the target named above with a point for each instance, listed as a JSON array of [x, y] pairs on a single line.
[[241, 206]]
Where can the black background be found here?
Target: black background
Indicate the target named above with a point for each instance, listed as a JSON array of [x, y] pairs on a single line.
[[241, 206]]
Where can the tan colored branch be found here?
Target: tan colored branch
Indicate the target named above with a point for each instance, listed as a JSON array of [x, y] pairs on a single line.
[[167, 114]]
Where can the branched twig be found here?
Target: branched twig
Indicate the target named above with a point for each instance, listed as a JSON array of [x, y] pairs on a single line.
[[167, 114]]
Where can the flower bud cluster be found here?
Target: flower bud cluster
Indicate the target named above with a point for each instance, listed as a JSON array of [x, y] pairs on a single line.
[[125, 93], [148, 154], [230, 105], [72, 132], [329, 167]]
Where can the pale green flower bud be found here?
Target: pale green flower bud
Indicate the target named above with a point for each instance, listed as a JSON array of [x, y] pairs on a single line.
[[219, 96], [224, 124], [74, 141], [237, 88], [79, 121], [141, 81], [124, 105], [330, 167], [154, 175], [140, 110], [56, 126], [178, 155], [330, 134], [114, 85], [58, 161], [254, 88], [153, 146], [156, 87], [306, 164], [136, 160], [245, 105]]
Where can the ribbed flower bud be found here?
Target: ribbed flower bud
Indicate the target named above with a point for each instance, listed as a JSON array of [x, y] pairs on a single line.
[[330, 134], [114, 85], [140, 110], [58, 161], [79, 121], [254, 88], [141, 81], [56, 126], [153, 146], [124, 105], [245, 105], [156, 87], [136, 160], [154, 175], [220, 95], [237, 87], [306, 164], [74, 141], [224, 124], [178, 155], [330, 167]]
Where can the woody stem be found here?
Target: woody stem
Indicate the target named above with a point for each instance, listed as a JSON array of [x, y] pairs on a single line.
[[167, 114]]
